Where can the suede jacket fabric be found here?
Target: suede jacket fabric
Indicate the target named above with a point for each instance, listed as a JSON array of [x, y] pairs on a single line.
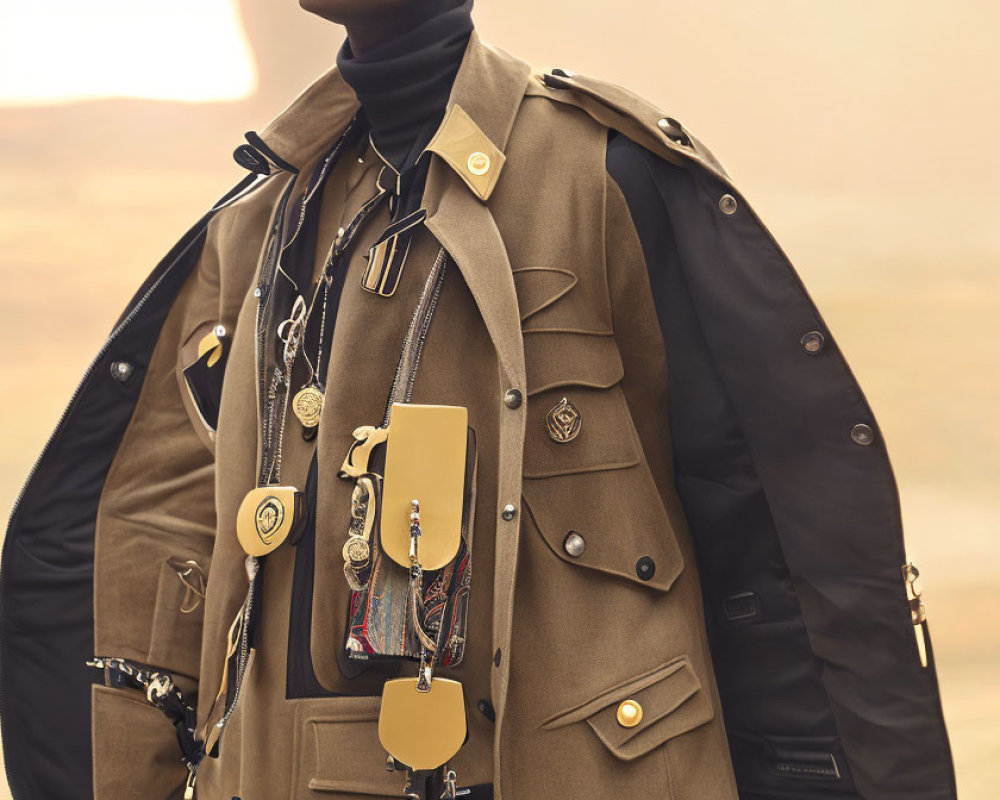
[[741, 570]]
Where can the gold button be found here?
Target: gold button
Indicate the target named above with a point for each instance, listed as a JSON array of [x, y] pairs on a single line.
[[629, 714], [479, 163]]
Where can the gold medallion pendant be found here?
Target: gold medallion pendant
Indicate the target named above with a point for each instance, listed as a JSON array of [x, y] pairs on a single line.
[[268, 516], [308, 405]]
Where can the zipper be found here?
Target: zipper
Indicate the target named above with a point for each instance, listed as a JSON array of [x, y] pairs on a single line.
[[263, 297], [276, 247], [244, 652]]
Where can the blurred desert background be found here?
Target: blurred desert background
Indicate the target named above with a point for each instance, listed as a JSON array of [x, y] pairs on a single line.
[[863, 133]]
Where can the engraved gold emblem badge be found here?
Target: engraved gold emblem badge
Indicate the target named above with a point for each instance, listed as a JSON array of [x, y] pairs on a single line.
[[308, 405], [269, 515], [563, 421]]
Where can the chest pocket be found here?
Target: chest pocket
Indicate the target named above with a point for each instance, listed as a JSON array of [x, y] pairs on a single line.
[[586, 483]]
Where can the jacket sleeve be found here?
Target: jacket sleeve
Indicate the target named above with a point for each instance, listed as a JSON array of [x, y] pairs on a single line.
[[786, 484], [154, 537], [109, 545]]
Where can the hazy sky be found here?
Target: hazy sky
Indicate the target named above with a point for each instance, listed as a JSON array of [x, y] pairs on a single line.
[[178, 50]]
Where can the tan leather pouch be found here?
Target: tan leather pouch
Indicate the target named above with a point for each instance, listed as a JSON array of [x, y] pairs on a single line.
[[425, 461]]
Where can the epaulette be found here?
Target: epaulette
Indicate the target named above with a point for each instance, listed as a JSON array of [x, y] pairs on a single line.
[[625, 111]]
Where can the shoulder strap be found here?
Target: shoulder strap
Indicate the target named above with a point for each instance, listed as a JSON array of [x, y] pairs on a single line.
[[634, 116]]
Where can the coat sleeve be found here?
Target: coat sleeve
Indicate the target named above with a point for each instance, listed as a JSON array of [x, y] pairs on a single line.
[[156, 522], [786, 484], [109, 544]]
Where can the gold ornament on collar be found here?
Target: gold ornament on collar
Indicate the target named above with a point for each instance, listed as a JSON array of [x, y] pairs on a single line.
[[308, 405], [563, 422]]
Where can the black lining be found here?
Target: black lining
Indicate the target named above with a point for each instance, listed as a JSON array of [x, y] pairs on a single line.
[[46, 592], [782, 506]]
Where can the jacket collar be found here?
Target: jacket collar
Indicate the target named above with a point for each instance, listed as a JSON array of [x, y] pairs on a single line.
[[470, 139]]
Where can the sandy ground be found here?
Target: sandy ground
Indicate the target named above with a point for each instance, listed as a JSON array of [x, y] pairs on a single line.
[[889, 213]]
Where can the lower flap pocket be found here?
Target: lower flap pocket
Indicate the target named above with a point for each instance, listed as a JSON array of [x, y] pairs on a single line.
[[636, 716], [135, 748], [342, 753], [175, 638]]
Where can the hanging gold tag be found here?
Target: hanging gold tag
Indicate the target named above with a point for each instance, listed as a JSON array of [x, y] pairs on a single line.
[[422, 729], [308, 405], [425, 460], [212, 341], [267, 516]]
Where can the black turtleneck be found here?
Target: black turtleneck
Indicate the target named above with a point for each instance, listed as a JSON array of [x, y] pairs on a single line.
[[404, 84]]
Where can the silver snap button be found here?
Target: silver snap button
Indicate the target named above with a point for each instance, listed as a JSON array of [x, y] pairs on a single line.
[[121, 370], [220, 331], [812, 342], [574, 544], [508, 512], [512, 398], [673, 130], [257, 292], [728, 204], [862, 434]]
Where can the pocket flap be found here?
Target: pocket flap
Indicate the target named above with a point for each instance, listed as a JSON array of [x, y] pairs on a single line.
[[571, 358], [669, 700], [342, 753], [539, 287], [617, 512]]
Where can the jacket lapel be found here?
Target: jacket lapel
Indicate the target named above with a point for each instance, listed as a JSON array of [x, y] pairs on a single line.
[[488, 89]]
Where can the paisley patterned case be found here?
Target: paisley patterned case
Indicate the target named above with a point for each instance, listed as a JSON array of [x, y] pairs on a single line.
[[381, 621]]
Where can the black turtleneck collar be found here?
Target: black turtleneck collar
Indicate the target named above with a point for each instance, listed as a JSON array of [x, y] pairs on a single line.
[[404, 84]]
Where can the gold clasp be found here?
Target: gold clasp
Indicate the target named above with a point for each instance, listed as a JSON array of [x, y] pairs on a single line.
[[365, 439], [918, 611]]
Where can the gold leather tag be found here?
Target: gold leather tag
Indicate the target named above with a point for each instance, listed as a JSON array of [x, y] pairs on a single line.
[[422, 730], [425, 461], [211, 341], [267, 516]]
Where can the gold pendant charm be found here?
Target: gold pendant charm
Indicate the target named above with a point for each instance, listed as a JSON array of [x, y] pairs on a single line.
[[308, 405], [356, 552], [422, 728], [268, 515], [563, 422]]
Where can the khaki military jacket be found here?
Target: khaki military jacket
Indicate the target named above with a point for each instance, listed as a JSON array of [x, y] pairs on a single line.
[[763, 621]]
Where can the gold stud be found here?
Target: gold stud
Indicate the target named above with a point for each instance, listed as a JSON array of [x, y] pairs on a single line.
[[478, 163], [629, 714]]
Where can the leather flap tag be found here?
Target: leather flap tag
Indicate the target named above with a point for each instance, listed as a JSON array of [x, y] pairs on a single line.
[[422, 729], [425, 461]]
